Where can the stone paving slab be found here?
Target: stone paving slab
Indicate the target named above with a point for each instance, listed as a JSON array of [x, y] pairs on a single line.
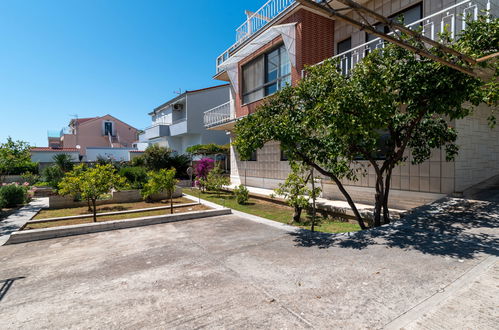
[[19, 218], [231, 272]]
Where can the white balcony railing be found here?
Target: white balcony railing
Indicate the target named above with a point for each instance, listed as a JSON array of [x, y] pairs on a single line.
[[254, 23], [451, 20], [218, 115]]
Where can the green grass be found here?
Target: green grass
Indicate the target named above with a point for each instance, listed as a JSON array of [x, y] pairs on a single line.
[[274, 211]]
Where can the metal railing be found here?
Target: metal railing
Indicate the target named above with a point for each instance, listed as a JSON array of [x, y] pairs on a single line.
[[254, 23], [218, 115], [450, 20]]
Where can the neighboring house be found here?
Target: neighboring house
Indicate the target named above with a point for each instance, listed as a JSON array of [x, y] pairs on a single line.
[[45, 155], [114, 154], [106, 131], [178, 123], [275, 44]]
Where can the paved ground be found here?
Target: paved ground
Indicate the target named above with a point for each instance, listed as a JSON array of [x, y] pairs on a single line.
[[16, 220], [230, 272]]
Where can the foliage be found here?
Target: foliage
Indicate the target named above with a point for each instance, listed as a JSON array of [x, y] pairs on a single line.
[[30, 178], [91, 183], [136, 176], [156, 157], [3, 202], [330, 121], [15, 158], [209, 149], [242, 194], [63, 161], [295, 189], [13, 195], [201, 170], [161, 181], [215, 180], [53, 175]]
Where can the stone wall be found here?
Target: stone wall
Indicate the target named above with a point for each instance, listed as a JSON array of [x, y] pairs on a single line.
[[126, 196], [11, 179]]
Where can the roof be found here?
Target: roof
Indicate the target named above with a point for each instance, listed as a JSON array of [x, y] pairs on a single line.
[[176, 98], [137, 151], [49, 149], [85, 120], [82, 120]]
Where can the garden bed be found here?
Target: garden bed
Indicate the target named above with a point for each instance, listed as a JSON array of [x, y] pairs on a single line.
[[105, 218], [265, 208]]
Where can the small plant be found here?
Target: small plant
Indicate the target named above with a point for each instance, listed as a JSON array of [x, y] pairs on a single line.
[[242, 194], [30, 178], [161, 181], [3, 202], [13, 195], [215, 181], [53, 175]]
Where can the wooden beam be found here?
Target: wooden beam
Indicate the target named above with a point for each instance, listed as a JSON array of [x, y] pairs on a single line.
[[396, 26], [333, 13]]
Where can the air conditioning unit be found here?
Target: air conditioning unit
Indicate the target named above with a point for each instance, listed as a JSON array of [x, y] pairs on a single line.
[[178, 106]]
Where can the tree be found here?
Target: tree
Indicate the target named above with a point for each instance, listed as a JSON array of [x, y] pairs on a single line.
[[215, 180], [70, 184], [15, 158], [201, 170], [92, 183], [161, 181], [295, 189], [393, 102], [63, 161], [156, 157]]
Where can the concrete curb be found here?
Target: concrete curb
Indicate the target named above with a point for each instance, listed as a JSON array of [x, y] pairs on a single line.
[[62, 231], [82, 216]]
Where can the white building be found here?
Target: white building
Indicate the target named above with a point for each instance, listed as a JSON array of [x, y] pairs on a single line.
[[178, 123]]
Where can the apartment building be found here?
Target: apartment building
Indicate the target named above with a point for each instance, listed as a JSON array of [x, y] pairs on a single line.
[[178, 123], [278, 40]]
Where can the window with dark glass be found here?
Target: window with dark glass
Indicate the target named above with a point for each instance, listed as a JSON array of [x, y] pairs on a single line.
[[346, 59], [407, 16], [284, 157], [266, 75], [108, 128], [252, 157]]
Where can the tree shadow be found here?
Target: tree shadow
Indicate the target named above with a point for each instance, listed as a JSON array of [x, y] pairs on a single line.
[[450, 227], [7, 284]]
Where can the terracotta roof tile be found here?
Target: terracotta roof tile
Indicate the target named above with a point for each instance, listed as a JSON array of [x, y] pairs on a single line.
[[55, 149]]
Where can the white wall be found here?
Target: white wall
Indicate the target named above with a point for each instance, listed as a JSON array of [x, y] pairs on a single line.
[[48, 156], [117, 154]]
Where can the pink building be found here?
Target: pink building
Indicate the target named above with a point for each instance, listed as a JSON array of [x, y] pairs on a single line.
[[106, 131]]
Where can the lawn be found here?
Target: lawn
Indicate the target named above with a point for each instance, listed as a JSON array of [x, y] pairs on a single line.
[[44, 214], [49, 224], [274, 211]]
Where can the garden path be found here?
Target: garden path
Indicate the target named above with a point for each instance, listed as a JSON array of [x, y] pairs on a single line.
[[16, 220]]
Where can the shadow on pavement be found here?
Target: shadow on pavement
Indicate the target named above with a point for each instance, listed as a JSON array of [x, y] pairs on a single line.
[[451, 227], [7, 284]]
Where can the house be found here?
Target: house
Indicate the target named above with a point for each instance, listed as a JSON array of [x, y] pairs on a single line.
[[106, 131], [274, 45], [178, 123], [45, 155]]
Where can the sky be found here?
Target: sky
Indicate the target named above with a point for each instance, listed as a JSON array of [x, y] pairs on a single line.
[[89, 58]]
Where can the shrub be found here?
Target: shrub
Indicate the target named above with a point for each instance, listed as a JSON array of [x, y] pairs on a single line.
[[15, 158], [160, 181], [30, 178], [13, 195], [53, 175], [201, 170], [3, 202], [242, 194], [215, 180], [63, 161], [136, 176]]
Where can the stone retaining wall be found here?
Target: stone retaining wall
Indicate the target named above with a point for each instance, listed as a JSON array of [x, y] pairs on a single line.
[[125, 196]]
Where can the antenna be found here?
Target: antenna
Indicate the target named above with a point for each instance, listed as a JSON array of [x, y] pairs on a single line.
[[178, 92]]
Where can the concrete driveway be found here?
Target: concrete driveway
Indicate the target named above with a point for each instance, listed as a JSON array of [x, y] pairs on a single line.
[[437, 269]]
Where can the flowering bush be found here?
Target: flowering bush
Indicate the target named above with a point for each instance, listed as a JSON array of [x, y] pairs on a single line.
[[201, 170]]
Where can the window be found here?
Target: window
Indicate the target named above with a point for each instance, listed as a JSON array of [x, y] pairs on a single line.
[[345, 60], [108, 128], [266, 75], [407, 16]]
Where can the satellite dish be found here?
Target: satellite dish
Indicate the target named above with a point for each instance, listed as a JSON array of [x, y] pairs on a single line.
[[78, 147]]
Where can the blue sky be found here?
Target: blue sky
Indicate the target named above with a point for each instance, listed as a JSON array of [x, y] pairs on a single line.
[[93, 57]]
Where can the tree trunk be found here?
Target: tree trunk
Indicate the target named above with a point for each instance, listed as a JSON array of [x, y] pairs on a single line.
[[95, 209], [171, 202], [386, 211], [314, 209], [297, 215], [378, 201], [89, 207]]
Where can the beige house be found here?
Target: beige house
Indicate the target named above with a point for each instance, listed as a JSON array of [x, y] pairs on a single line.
[[106, 132], [275, 43]]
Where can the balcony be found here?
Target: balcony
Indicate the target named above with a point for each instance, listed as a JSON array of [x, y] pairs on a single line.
[[451, 19], [178, 127], [254, 23], [155, 132], [218, 115]]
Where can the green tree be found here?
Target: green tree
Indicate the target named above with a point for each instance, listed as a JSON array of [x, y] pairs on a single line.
[[92, 183], [392, 102], [215, 180], [161, 181], [63, 161], [296, 190], [15, 158]]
